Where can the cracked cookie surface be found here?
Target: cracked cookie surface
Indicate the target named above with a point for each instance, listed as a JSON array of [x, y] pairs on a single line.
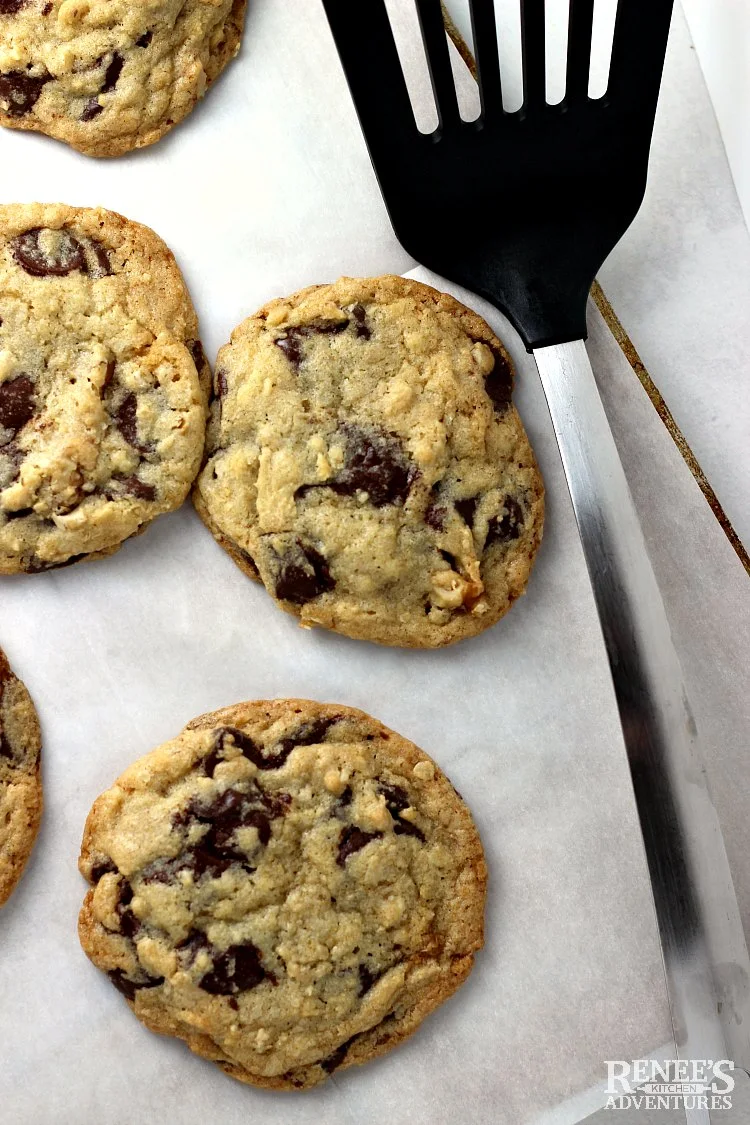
[[288, 886], [107, 76], [20, 779], [365, 461], [102, 406]]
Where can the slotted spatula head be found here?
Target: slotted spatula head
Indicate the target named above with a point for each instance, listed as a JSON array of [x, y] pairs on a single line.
[[520, 207]]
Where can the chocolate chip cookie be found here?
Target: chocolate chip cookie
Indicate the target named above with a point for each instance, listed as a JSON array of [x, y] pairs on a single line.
[[20, 781], [288, 886], [103, 384], [108, 76], [366, 463]]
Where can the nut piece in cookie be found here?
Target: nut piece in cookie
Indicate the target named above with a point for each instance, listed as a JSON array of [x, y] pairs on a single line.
[[20, 779], [106, 77], [365, 462], [288, 886], [103, 384]]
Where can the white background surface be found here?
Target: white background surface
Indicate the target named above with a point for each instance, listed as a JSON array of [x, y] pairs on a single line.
[[267, 188], [721, 33]]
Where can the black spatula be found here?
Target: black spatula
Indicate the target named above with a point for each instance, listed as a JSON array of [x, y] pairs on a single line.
[[522, 208]]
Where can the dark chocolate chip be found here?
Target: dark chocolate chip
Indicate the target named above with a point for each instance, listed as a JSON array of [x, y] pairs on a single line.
[[343, 802], [10, 7], [466, 509], [17, 403], [66, 256], [129, 987], [335, 1059], [367, 979], [47, 8], [291, 342], [509, 527], [309, 734], [238, 969], [19, 92], [195, 347], [406, 828], [19, 514], [221, 383], [105, 867], [360, 322], [126, 419], [36, 566], [499, 382], [97, 259], [303, 575], [91, 110], [396, 800], [109, 375], [248, 560], [434, 517], [134, 486], [351, 840], [377, 464], [129, 924], [112, 73], [193, 944], [145, 39]]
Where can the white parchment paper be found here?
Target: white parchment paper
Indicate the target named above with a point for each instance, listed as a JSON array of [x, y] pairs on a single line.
[[265, 189]]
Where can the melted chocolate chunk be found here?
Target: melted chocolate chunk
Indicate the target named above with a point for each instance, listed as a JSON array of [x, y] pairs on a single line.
[[360, 322], [195, 347], [396, 800], [499, 382], [17, 403], [36, 566], [47, 8], [10, 7], [109, 375], [303, 575], [126, 419], [193, 944], [343, 802], [466, 509], [19, 92], [376, 464], [106, 867], [307, 735], [200, 860], [91, 110], [130, 486], [129, 987], [60, 256], [351, 840], [19, 514], [112, 73], [134, 486], [336, 1057], [367, 979], [215, 852], [238, 969], [248, 560], [145, 39], [509, 527], [291, 342], [129, 924], [221, 383], [434, 517]]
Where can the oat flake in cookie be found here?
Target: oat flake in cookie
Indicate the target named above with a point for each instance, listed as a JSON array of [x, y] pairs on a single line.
[[102, 406], [108, 76], [288, 886], [364, 460], [20, 781]]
